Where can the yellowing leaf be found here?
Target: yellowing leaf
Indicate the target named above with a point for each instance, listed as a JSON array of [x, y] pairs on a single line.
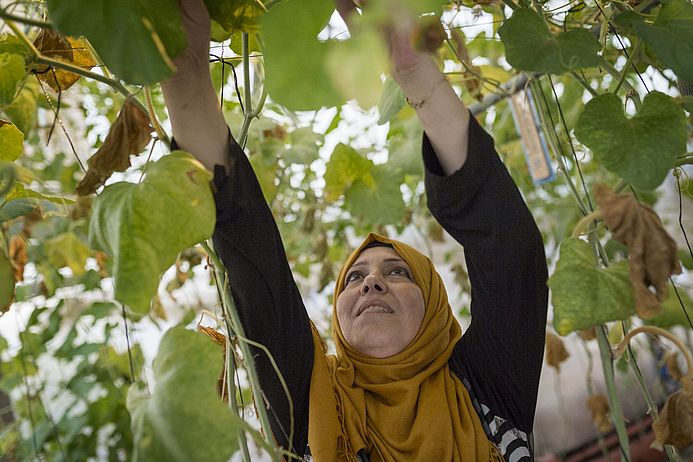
[[585, 295], [53, 44], [675, 423], [129, 134], [11, 142], [652, 252], [144, 226], [343, 169], [67, 249]]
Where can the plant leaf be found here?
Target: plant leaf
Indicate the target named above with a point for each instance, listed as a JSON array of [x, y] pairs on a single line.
[[652, 252], [11, 142], [670, 35], [144, 226], [129, 134], [343, 169], [12, 73], [555, 351], [185, 370], [355, 65], [585, 295], [7, 279], [289, 27], [22, 110], [391, 101], [675, 423], [236, 15], [530, 45], [672, 313], [53, 44], [66, 249], [377, 197], [135, 38], [642, 149]]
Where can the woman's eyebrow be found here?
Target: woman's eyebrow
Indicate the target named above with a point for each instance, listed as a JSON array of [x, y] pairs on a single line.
[[387, 260]]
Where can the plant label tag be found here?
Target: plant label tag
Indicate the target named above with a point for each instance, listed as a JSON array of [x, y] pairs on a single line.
[[533, 141]]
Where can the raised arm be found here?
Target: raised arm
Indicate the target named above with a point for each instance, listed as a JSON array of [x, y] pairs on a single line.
[[472, 195], [246, 237]]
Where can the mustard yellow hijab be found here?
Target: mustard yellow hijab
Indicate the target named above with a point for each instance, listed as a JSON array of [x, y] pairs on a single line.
[[408, 407]]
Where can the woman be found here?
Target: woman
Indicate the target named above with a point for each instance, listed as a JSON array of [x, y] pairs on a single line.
[[405, 384]]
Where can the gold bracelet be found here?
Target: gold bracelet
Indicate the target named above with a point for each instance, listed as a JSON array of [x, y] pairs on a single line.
[[419, 104]]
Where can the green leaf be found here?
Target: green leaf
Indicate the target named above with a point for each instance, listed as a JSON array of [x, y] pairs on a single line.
[[236, 15], [304, 146], [12, 74], [673, 313], [344, 168], [66, 249], [585, 295], [144, 226], [12, 44], [641, 150], [6, 277], [135, 38], [378, 201], [11, 142], [183, 419], [530, 45], [670, 35], [294, 58], [355, 66], [391, 101], [22, 111]]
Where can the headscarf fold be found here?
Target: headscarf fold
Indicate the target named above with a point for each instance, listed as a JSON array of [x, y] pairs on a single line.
[[407, 407]]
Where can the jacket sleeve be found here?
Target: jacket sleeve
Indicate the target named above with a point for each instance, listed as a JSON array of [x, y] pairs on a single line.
[[247, 240], [479, 205]]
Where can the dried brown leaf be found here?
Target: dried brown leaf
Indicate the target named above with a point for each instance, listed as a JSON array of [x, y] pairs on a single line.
[[471, 82], [670, 360], [18, 256], [129, 134], [652, 252], [599, 407], [588, 334], [675, 423], [220, 339], [53, 44], [555, 351]]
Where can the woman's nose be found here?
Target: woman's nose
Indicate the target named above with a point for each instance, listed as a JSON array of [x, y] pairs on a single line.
[[372, 282]]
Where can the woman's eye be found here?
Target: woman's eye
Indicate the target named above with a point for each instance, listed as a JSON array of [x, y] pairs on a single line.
[[399, 271], [351, 277]]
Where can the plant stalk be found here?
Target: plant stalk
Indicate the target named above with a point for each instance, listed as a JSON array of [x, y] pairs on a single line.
[[231, 314], [614, 402], [24, 20]]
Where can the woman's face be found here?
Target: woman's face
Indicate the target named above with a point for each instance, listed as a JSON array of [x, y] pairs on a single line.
[[381, 308]]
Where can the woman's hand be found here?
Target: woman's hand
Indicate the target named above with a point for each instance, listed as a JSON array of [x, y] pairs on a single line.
[[442, 114], [196, 24]]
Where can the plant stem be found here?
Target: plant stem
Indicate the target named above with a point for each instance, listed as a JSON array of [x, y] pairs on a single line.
[[247, 94], [152, 117], [231, 314], [585, 84], [23, 20], [685, 160], [619, 77], [614, 403], [636, 48], [231, 391]]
